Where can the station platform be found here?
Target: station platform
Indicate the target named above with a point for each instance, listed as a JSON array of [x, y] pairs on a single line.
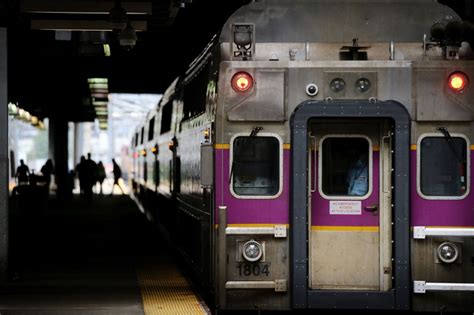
[[102, 257]]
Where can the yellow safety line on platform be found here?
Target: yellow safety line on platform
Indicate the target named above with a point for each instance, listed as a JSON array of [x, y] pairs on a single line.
[[346, 228], [165, 291]]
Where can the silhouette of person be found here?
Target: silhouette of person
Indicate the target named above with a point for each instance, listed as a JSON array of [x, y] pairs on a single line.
[[357, 176], [80, 173], [22, 173], [117, 175], [100, 175], [90, 176], [47, 170]]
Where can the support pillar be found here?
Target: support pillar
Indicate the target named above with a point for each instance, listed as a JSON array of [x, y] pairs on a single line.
[[58, 152], [78, 142], [3, 158]]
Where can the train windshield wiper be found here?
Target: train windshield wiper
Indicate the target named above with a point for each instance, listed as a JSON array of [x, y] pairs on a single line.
[[253, 133], [449, 140]]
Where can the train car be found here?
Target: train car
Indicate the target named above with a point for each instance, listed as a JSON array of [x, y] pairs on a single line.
[[317, 155]]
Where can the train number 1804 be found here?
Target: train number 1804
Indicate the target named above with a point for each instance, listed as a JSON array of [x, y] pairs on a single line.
[[247, 269]]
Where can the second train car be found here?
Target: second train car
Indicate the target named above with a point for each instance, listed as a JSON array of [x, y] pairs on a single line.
[[318, 155]]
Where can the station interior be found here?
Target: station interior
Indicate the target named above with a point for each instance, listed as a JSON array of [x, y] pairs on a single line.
[[73, 83]]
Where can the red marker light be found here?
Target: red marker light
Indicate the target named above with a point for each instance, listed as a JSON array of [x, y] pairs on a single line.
[[242, 81], [458, 81]]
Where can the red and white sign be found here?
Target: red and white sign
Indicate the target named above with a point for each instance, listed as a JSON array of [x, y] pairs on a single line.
[[345, 207]]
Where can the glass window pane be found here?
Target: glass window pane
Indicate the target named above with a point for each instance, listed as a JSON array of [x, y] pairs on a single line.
[[256, 166], [345, 169], [443, 166]]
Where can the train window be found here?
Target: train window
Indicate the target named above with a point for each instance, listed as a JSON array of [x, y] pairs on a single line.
[[345, 168], [195, 94], [136, 139], [443, 167], [142, 134], [166, 117], [151, 129], [255, 168]]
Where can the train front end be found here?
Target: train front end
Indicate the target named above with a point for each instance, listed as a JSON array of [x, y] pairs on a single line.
[[342, 158]]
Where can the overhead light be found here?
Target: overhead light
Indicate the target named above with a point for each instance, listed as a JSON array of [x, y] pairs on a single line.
[[97, 80], [107, 52], [118, 17], [128, 37]]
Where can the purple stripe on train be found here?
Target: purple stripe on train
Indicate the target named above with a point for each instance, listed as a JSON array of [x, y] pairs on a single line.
[[251, 211], [439, 212], [320, 206]]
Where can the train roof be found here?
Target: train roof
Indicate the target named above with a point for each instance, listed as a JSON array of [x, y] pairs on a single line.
[[168, 93], [339, 21]]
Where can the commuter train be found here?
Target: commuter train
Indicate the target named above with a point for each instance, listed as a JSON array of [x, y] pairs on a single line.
[[318, 155]]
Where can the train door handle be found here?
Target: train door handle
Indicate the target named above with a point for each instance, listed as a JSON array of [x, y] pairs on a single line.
[[372, 208]]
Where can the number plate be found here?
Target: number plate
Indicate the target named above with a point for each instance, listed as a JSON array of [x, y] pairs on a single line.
[[253, 269]]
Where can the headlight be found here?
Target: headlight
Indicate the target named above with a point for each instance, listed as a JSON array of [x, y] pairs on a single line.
[[252, 250], [448, 252]]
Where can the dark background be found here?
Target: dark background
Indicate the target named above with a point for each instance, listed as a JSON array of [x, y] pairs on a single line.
[[47, 76]]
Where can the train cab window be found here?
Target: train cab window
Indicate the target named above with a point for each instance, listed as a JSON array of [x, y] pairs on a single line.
[[443, 167], [256, 166], [151, 129], [345, 167], [136, 139]]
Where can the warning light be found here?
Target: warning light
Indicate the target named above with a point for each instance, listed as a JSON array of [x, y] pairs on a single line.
[[242, 81], [458, 81]]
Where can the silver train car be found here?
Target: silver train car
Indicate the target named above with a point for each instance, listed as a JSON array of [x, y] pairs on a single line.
[[318, 155]]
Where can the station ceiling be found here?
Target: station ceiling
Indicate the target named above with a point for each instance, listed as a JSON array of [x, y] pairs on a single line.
[[55, 46]]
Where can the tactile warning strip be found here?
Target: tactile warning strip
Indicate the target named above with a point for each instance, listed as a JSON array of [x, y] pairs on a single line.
[[165, 291]]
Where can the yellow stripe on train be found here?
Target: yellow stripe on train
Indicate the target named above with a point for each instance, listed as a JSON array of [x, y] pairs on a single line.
[[345, 228]]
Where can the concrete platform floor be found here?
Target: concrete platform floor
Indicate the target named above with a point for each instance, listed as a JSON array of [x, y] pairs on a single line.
[[78, 257]]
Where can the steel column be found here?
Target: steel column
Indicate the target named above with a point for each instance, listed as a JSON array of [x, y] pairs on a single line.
[[3, 157]]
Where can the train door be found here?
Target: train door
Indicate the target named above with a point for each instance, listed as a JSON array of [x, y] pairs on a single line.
[[349, 213], [349, 205]]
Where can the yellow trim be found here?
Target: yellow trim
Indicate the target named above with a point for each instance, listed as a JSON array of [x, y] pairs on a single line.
[[413, 147], [375, 148], [224, 146], [345, 228], [244, 225], [472, 146], [451, 227], [286, 146]]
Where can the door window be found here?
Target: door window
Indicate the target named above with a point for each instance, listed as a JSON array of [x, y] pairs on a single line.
[[345, 167]]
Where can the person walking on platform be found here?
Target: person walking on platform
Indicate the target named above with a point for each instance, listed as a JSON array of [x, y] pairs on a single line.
[[117, 175], [100, 175], [22, 173], [80, 173], [90, 176], [47, 170]]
